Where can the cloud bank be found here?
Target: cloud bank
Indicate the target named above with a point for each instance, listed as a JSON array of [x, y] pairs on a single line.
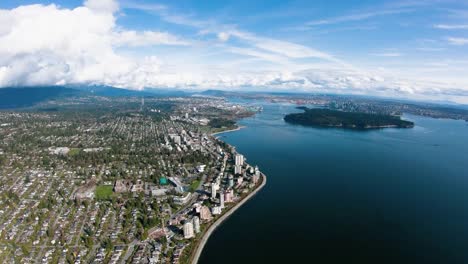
[[51, 45]]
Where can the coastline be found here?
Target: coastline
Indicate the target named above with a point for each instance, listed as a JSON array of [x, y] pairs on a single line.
[[218, 222], [349, 127], [230, 130]]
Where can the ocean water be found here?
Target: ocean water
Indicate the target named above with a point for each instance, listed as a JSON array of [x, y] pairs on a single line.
[[342, 196]]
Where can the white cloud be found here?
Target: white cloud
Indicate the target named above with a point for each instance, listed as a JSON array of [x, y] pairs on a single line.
[[46, 44], [357, 17], [388, 54], [285, 48], [106, 6], [145, 7], [258, 54], [387, 9], [223, 36], [225, 32], [290, 50], [451, 27], [458, 41], [146, 38], [51, 45]]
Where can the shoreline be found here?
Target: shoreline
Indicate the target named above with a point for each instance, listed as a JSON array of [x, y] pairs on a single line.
[[366, 128], [227, 131], [217, 223]]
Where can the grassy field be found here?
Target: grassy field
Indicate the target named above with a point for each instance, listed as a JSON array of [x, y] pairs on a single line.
[[103, 192], [74, 151], [194, 185]]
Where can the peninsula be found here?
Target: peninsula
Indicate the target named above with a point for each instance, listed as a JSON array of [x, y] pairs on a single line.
[[352, 120], [118, 179]]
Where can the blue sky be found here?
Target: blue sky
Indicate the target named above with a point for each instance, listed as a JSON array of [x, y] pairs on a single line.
[[411, 49]]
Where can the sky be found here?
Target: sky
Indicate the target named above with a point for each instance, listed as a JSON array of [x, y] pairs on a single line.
[[401, 48]]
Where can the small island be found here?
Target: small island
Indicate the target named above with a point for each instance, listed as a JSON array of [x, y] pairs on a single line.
[[352, 120]]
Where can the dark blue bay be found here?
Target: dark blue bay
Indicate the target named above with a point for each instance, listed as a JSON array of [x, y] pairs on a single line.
[[341, 196]]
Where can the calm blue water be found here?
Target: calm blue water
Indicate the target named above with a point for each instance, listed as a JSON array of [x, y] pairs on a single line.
[[340, 196]]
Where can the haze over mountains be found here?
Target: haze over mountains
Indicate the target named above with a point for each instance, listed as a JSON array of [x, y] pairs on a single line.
[[18, 97]]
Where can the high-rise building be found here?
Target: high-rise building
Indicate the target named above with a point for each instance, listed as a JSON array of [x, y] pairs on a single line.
[[255, 178], [239, 159], [214, 188], [231, 181], [257, 171], [197, 207], [216, 210], [188, 230], [205, 213], [229, 196], [238, 169], [221, 200], [196, 224]]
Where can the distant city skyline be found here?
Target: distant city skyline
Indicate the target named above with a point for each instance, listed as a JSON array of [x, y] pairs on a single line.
[[404, 49]]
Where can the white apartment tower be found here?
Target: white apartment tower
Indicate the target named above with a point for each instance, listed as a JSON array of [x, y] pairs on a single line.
[[221, 200], [237, 169], [188, 230], [239, 160], [196, 224], [214, 188]]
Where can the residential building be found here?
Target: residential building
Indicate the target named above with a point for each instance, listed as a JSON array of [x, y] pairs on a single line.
[[188, 230], [196, 224]]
